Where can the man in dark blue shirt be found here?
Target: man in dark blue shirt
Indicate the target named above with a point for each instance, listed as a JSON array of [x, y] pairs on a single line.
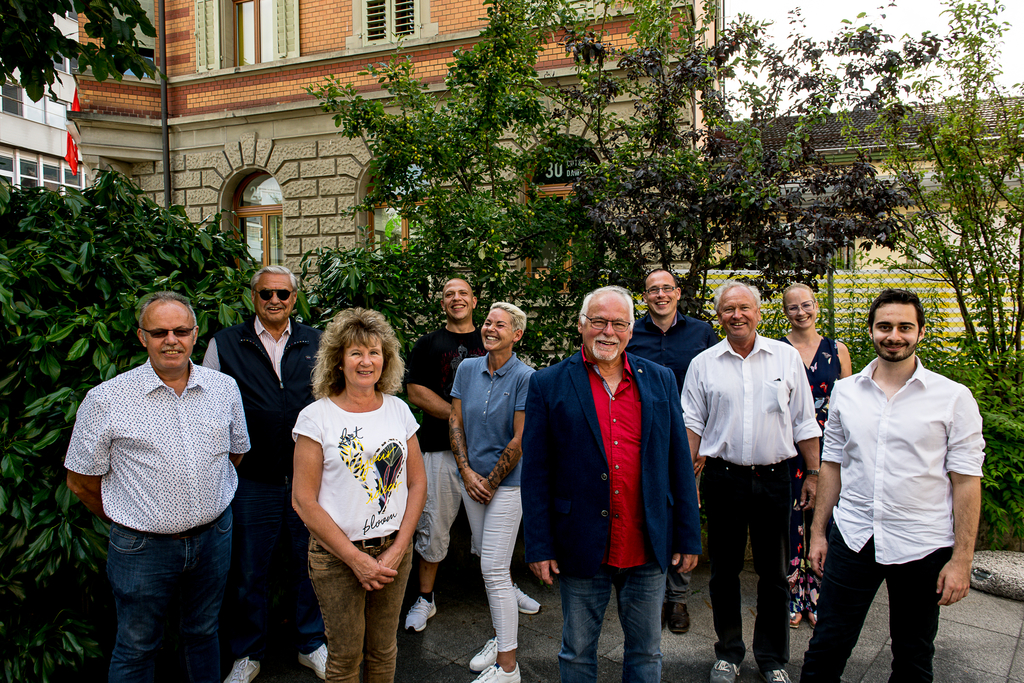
[[672, 339]]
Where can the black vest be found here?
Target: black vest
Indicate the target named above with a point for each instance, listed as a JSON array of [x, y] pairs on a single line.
[[271, 405]]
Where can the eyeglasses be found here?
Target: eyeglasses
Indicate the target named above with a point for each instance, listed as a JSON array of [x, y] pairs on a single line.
[[601, 323], [160, 333], [807, 306], [282, 294], [654, 291]]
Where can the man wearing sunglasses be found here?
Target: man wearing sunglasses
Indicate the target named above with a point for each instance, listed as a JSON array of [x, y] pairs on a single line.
[[672, 339], [271, 357], [152, 453]]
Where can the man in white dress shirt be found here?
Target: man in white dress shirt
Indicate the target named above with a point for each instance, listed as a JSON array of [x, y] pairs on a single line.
[[154, 452], [748, 407], [902, 468]]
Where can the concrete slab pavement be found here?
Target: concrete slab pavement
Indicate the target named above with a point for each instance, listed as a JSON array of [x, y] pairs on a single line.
[[979, 638]]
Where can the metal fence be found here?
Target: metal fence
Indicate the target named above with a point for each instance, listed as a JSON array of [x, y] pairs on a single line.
[[844, 299]]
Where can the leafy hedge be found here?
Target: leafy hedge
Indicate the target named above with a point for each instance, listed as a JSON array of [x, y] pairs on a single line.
[[72, 268]]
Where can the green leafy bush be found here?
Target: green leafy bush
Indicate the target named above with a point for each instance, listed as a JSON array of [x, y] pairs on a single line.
[[72, 268], [1002, 500]]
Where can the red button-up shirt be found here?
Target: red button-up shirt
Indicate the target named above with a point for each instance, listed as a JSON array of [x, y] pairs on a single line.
[[618, 415]]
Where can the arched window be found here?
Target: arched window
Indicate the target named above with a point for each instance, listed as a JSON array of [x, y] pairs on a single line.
[[258, 209]]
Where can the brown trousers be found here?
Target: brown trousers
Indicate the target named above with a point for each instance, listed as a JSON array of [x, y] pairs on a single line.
[[355, 618]]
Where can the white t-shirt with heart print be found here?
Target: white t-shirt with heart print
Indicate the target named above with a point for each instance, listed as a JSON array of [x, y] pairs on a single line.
[[363, 487]]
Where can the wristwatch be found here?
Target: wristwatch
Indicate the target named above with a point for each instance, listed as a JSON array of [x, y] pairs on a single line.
[[810, 472]]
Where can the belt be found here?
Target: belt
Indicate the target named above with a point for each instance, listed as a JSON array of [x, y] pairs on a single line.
[[375, 546], [188, 533], [724, 465]]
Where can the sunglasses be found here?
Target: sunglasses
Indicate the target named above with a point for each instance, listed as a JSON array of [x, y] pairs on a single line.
[[282, 294], [160, 333]]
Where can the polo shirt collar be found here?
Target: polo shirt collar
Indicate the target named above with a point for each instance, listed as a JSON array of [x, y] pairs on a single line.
[[500, 372]]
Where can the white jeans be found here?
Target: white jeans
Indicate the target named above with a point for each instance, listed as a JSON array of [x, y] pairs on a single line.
[[495, 527]]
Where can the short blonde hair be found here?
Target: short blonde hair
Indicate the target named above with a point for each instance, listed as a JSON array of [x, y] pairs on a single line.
[[514, 312], [350, 327]]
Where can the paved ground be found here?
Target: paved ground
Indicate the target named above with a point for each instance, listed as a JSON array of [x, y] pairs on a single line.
[[979, 638]]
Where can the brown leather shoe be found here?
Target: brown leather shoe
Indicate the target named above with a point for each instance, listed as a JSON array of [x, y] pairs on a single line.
[[678, 618]]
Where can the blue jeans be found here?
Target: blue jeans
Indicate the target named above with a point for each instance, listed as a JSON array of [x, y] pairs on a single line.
[[848, 588], [262, 512], [639, 592], [146, 571]]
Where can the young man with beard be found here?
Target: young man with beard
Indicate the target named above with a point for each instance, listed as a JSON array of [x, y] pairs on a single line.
[[902, 468]]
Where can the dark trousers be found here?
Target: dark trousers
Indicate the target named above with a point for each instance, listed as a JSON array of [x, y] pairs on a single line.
[[263, 513], [737, 498], [850, 582]]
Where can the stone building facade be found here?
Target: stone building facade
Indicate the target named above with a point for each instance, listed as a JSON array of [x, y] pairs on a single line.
[[231, 121]]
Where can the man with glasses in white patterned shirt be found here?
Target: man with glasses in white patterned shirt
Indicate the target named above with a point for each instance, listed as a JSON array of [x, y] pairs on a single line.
[[153, 452]]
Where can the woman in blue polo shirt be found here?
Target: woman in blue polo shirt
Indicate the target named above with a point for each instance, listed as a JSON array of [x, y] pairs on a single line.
[[486, 426]]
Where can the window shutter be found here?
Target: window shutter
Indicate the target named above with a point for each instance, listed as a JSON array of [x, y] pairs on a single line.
[[207, 35], [405, 17], [376, 20], [286, 36], [144, 40]]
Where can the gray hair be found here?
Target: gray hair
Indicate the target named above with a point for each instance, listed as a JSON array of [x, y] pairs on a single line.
[[613, 289], [733, 284], [514, 312], [274, 270], [157, 297]]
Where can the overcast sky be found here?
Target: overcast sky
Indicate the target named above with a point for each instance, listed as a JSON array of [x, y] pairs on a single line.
[[823, 17]]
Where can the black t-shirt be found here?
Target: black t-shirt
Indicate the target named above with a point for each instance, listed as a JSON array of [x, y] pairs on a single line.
[[432, 363]]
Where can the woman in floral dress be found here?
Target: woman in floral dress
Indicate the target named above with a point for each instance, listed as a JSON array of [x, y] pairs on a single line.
[[825, 360]]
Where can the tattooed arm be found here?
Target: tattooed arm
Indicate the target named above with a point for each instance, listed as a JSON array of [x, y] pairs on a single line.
[[510, 456], [476, 486]]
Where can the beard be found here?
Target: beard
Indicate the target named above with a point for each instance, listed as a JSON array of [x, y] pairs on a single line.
[[895, 354]]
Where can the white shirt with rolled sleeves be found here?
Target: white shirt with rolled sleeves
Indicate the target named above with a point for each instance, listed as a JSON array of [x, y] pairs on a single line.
[[753, 410], [896, 455], [164, 458]]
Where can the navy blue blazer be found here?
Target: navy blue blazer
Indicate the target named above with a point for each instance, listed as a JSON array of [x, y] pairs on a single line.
[[565, 485]]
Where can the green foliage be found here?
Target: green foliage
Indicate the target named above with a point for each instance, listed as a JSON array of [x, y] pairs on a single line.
[[457, 168], [693, 179], [1002, 501], [30, 40], [72, 268], [958, 145]]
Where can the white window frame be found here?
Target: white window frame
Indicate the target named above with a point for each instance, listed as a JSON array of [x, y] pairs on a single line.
[[14, 177]]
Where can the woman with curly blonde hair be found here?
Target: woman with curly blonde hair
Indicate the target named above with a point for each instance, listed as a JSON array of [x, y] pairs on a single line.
[[359, 487]]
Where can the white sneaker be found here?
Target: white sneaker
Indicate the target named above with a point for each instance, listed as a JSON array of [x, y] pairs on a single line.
[[724, 672], [243, 671], [495, 674], [527, 605], [420, 611], [486, 657], [316, 660]]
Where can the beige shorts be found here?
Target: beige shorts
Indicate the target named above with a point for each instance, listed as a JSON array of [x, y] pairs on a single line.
[[444, 496]]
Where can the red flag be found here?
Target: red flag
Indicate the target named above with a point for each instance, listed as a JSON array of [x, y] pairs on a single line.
[[72, 153]]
